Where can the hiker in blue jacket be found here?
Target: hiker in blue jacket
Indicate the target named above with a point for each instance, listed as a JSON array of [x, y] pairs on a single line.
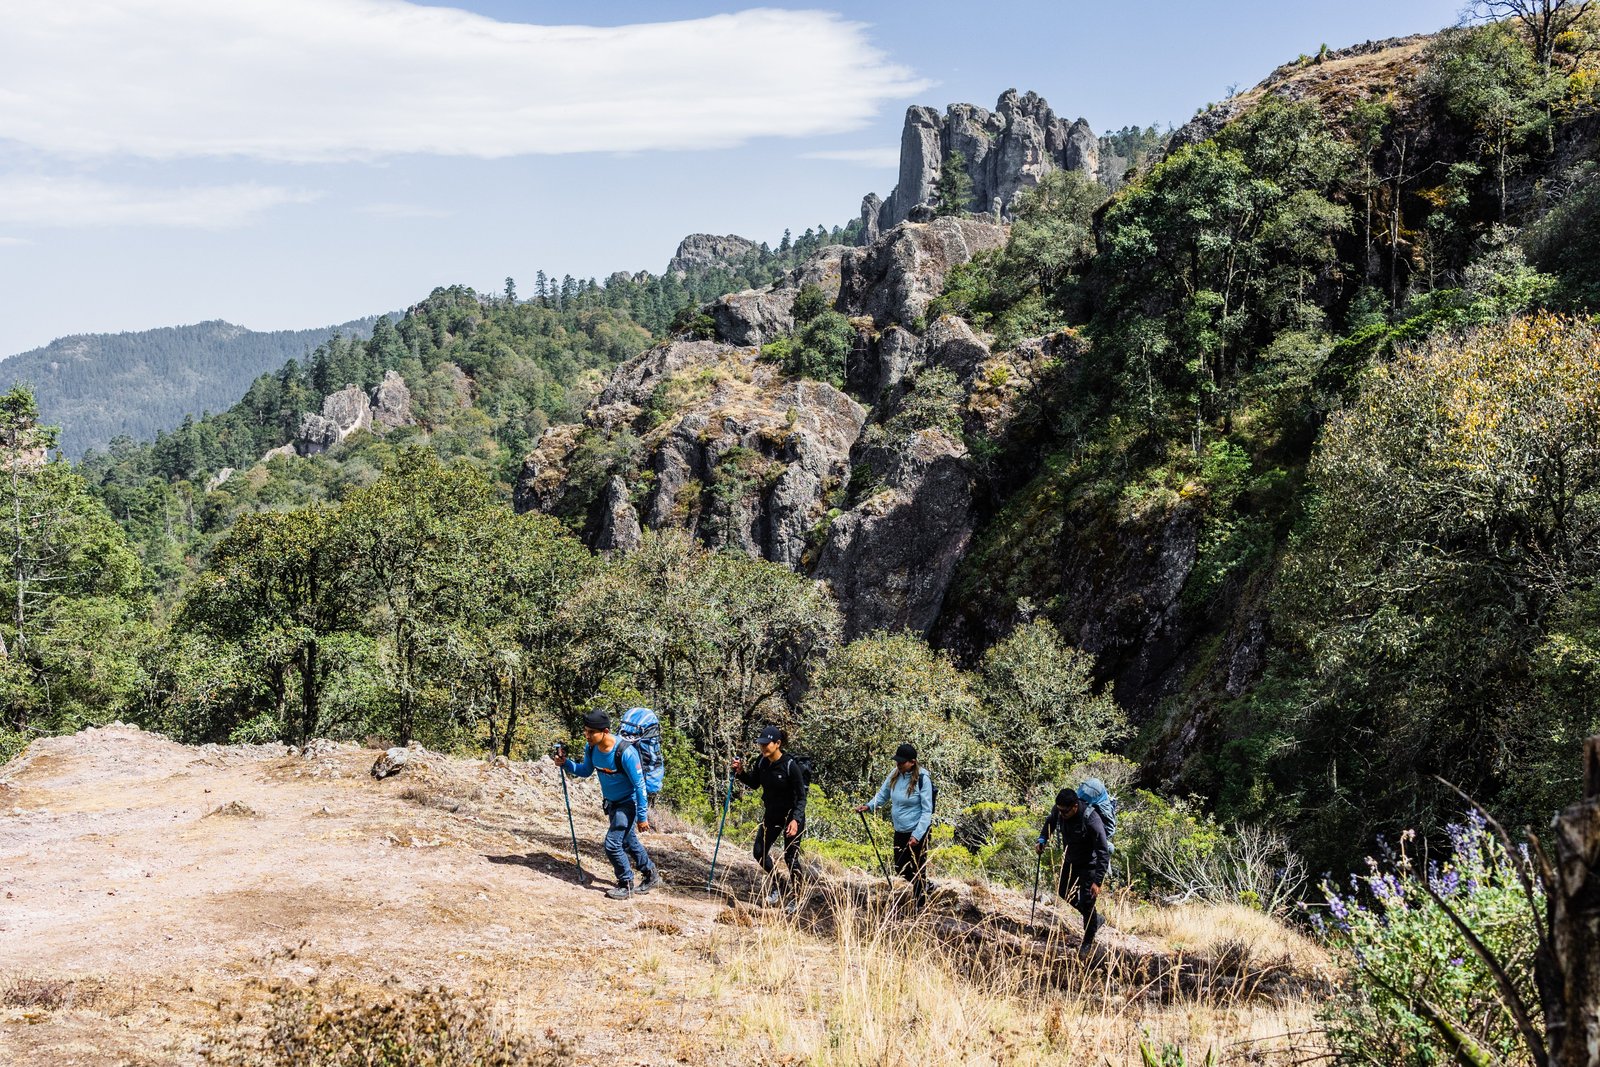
[[1088, 858], [624, 800], [909, 793]]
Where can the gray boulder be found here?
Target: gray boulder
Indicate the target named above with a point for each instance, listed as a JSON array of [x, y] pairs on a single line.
[[890, 559], [343, 413], [391, 763], [619, 529], [754, 316], [952, 344], [348, 409], [391, 403], [744, 461], [894, 280], [317, 434], [871, 209]]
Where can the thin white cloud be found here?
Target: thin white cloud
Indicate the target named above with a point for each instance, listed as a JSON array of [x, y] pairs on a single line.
[[866, 157], [13, 242], [316, 80], [57, 202], [403, 211]]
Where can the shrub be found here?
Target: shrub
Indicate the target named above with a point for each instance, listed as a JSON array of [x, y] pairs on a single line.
[[389, 1027], [1412, 979]]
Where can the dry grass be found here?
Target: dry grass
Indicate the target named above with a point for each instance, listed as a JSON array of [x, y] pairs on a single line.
[[901, 992], [1207, 929], [48, 994], [345, 1024], [444, 798]]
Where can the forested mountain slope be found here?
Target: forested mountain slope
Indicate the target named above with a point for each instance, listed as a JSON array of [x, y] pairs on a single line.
[[1189, 427], [102, 385]]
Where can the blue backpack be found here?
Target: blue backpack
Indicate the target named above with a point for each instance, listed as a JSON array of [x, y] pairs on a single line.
[[1093, 794], [641, 728]]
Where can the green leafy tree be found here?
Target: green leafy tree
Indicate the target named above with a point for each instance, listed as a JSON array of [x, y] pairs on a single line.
[[413, 535], [884, 689], [715, 640], [1489, 80], [285, 589], [72, 589], [1452, 536], [1039, 710]]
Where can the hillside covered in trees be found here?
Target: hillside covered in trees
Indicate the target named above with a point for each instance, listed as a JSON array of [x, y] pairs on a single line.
[[100, 386]]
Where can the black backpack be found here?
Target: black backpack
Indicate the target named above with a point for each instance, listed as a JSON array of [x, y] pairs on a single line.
[[807, 766]]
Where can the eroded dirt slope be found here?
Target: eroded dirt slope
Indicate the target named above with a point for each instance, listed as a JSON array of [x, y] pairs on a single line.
[[159, 880]]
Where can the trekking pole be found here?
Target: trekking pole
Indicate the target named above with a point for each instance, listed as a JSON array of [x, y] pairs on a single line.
[[1038, 865], [727, 798], [566, 798], [873, 838]]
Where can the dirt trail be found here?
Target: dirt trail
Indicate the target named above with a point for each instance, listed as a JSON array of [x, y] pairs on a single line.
[[114, 872], [153, 891]]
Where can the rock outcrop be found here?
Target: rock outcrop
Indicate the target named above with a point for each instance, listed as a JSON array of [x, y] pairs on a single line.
[[890, 559], [744, 457], [1006, 151], [756, 316], [343, 413], [895, 279], [619, 522], [701, 251], [391, 403]]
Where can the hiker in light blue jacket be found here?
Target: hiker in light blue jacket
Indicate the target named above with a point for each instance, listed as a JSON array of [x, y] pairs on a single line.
[[910, 794]]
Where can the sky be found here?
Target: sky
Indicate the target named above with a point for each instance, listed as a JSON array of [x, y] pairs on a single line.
[[286, 164]]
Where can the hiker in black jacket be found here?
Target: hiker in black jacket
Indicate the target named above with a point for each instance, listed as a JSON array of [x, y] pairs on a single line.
[[1087, 861], [783, 796]]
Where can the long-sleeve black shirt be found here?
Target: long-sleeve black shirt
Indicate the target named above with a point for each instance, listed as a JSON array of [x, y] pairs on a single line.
[[1084, 834], [783, 787]]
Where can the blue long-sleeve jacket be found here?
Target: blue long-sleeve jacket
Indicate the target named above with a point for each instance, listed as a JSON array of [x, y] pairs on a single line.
[[910, 806], [616, 783]]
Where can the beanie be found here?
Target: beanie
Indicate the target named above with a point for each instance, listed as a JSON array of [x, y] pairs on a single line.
[[597, 720]]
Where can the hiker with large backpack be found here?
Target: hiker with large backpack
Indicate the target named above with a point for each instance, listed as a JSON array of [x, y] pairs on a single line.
[[784, 782], [1081, 824], [622, 789], [911, 794]]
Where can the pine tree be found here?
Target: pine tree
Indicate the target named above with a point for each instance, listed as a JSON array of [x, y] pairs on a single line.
[[953, 193]]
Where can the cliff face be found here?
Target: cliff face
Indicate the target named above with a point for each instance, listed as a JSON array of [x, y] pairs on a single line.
[[709, 437], [1006, 151]]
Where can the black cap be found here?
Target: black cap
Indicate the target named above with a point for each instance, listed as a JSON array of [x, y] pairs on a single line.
[[1066, 799], [597, 720], [905, 754], [769, 733]]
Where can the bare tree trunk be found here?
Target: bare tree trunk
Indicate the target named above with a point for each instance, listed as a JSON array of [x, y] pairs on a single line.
[[1571, 982]]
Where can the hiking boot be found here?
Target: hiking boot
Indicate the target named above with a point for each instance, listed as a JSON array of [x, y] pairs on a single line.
[[651, 880], [774, 898], [1089, 931], [623, 891], [792, 907]]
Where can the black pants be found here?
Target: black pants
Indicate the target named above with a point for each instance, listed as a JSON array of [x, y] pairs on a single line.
[[911, 863], [769, 834], [1075, 889]]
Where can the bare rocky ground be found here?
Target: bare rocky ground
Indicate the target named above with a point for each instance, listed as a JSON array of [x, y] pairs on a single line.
[[151, 892]]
